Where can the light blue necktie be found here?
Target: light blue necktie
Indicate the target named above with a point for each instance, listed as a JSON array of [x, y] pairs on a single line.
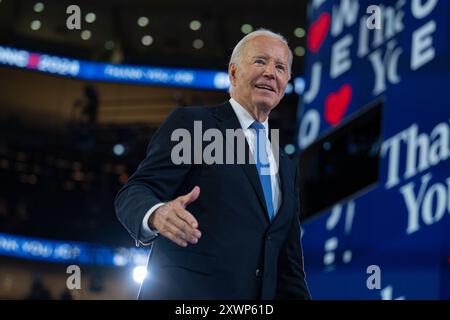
[[263, 164]]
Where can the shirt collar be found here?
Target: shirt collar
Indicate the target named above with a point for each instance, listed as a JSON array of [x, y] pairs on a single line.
[[244, 117]]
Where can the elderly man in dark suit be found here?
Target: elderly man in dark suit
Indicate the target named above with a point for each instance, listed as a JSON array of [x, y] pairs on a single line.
[[222, 229]]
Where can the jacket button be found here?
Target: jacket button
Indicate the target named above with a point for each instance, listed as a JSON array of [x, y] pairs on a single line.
[[269, 238], [258, 273]]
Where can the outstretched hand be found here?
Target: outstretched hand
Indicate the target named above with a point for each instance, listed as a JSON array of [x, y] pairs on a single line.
[[174, 222]]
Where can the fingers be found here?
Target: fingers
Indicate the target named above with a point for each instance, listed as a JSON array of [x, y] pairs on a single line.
[[190, 197], [181, 229], [177, 224], [177, 235], [169, 235], [186, 216]]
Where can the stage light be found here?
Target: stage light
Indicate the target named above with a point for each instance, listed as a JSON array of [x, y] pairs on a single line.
[[109, 45], [139, 273], [246, 28], [198, 43], [119, 260], [119, 149], [289, 88], [147, 40], [38, 7], [326, 146], [299, 51], [222, 80], [86, 34], [35, 25], [142, 21], [90, 17], [299, 32], [299, 85], [289, 149], [195, 25]]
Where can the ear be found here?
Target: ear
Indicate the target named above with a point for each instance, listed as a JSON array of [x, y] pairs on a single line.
[[232, 73]]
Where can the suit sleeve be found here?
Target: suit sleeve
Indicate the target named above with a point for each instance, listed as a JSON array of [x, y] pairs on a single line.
[[291, 272], [156, 179]]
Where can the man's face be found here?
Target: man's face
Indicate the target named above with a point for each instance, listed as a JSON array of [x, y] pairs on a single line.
[[261, 76]]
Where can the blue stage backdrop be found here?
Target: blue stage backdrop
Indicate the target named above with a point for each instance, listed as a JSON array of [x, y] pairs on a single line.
[[389, 239]]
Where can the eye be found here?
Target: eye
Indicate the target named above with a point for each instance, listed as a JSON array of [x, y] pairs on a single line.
[[281, 67], [260, 61]]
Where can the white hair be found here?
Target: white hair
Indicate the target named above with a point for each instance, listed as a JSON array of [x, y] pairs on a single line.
[[239, 48]]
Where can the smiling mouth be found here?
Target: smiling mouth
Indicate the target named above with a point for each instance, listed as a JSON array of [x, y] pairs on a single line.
[[265, 87]]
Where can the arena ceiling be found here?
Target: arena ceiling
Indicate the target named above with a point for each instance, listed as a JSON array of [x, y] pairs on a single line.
[[182, 33]]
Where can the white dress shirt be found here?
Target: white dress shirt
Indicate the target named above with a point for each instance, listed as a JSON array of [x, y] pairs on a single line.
[[245, 119]]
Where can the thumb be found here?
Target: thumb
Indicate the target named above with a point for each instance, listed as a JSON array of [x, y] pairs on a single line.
[[190, 197]]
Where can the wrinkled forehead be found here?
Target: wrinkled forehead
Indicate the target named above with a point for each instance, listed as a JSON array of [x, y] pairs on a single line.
[[268, 47]]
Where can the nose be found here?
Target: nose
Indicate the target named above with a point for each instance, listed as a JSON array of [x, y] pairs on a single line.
[[269, 70]]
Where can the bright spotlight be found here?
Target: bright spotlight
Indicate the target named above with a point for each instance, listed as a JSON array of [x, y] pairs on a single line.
[[119, 149], [289, 149], [139, 273], [289, 88]]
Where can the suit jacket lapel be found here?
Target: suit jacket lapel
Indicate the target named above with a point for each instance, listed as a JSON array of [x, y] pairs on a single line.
[[228, 120]]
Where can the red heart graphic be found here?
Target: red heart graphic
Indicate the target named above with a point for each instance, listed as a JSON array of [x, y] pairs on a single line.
[[318, 31], [337, 103]]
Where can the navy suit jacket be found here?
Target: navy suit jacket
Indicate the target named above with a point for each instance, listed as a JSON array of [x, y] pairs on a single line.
[[241, 255]]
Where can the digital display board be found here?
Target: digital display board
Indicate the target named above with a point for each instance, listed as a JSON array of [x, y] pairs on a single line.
[[391, 239], [122, 73], [70, 251]]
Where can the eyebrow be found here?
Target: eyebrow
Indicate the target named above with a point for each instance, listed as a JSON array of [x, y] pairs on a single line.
[[266, 58], [260, 57]]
